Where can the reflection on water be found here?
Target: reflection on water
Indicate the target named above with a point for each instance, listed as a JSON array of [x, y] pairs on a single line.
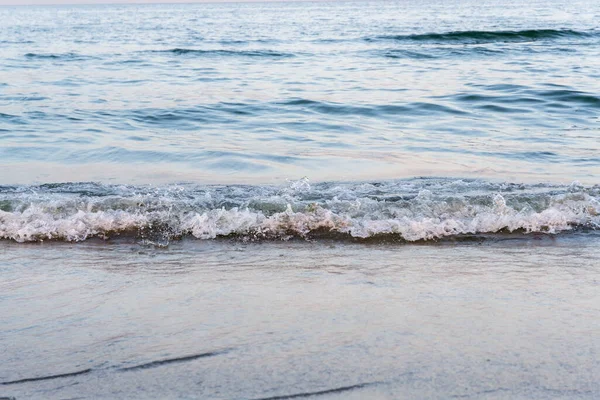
[[229, 320]]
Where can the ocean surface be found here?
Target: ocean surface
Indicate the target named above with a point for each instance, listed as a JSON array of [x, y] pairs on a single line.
[[263, 92], [385, 200]]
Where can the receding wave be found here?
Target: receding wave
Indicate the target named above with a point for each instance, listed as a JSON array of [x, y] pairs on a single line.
[[410, 210], [489, 36], [225, 53]]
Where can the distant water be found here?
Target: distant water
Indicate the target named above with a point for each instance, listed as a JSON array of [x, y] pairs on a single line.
[[261, 93]]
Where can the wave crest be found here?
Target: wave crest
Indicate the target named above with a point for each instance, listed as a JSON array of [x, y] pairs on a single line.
[[476, 37], [408, 211]]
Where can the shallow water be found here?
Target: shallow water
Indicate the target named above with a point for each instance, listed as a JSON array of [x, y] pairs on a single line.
[[260, 93], [499, 319]]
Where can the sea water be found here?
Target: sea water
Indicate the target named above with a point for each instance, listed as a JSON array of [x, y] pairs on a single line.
[[390, 199]]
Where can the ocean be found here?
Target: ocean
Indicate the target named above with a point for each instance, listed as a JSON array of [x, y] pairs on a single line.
[[367, 199]]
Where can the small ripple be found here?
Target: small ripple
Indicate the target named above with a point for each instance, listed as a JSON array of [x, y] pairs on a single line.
[[61, 57], [48, 377], [17, 42], [476, 37], [550, 100], [320, 392], [247, 41], [401, 54], [572, 96], [225, 53], [158, 363], [14, 119], [416, 108], [502, 109], [25, 98]]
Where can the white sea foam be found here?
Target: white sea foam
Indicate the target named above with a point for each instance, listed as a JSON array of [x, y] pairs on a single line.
[[406, 210]]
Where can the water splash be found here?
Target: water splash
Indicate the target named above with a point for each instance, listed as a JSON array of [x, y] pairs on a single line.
[[412, 210]]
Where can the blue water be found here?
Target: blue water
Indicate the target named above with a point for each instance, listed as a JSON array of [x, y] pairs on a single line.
[[261, 93]]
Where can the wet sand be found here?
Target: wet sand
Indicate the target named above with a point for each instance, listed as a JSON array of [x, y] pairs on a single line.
[[275, 320]]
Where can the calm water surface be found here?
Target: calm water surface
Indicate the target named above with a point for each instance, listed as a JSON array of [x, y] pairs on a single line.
[[220, 320], [259, 93]]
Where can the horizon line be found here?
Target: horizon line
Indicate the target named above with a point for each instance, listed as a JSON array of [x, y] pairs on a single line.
[[162, 2]]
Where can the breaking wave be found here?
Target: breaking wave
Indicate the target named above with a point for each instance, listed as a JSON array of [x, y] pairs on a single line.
[[408, 210]]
